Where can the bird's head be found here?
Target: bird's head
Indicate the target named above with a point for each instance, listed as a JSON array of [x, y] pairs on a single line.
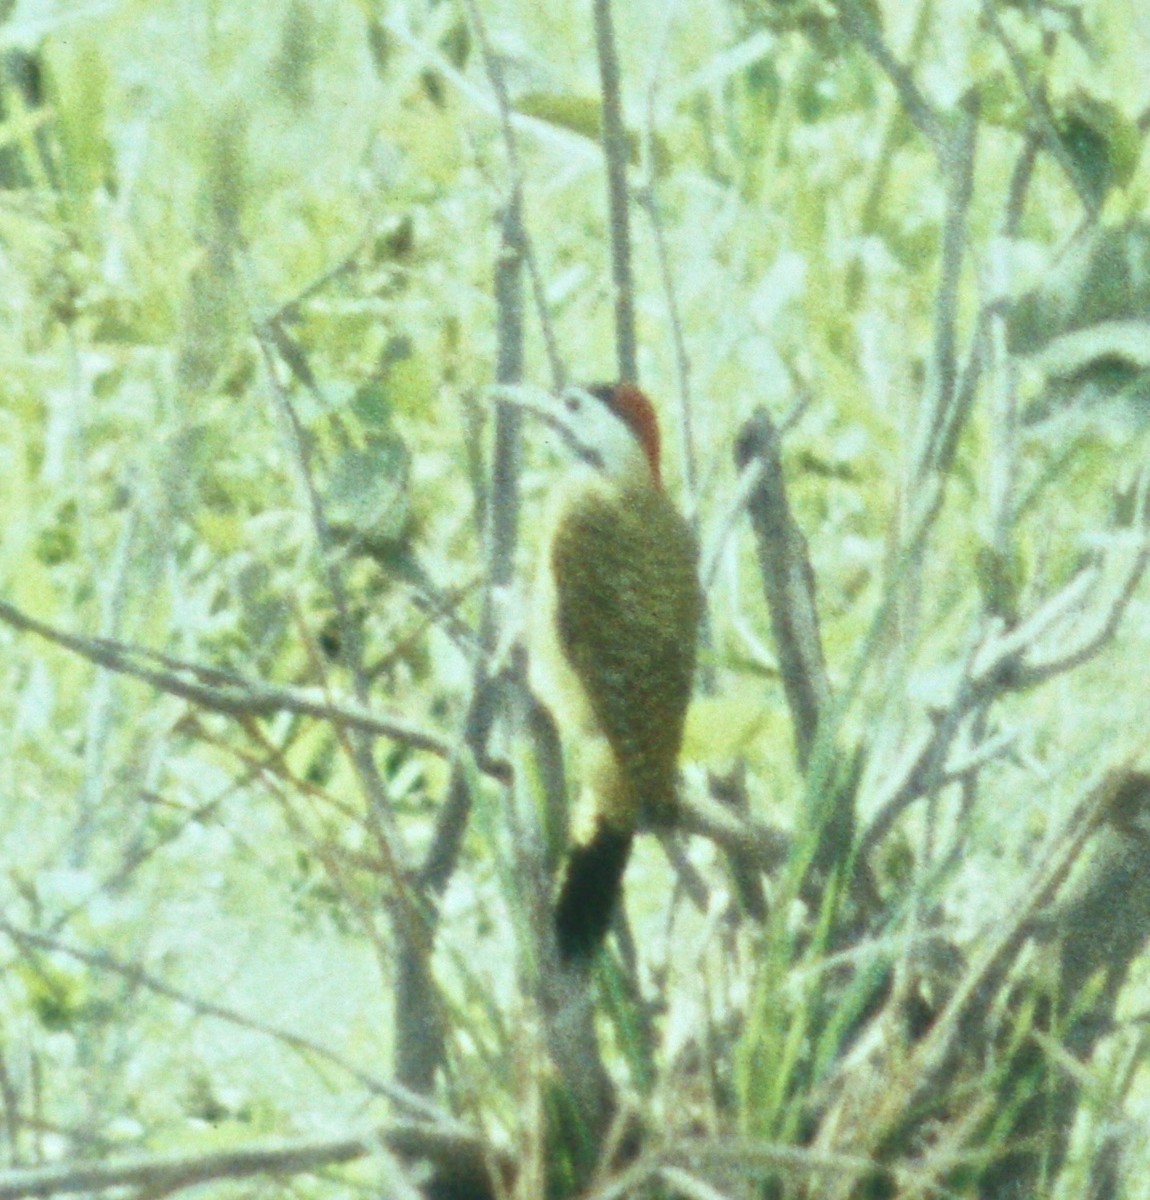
[[609, 427]]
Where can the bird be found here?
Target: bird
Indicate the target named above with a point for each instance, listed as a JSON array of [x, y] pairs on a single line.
[[614, 623]]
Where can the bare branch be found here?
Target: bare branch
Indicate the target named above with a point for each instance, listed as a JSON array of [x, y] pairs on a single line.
[[356, 746], [889, 1090], [788, 582], [719, 1157], [351, 641], [1032, 674], [649, 199], [998, 665], [101, 960], [766, 847], [926, 771], [750, 479], [516, 240], [419, 1034], [894, 132], [650, 202], [228, 693], [944, 417], [1020, 179], [168, 1173], [1040, 110], [863, 28], [443, 1142], [615, 152], [974, 759]]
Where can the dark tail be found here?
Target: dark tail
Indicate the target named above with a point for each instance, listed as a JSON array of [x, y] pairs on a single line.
[[591, 885]]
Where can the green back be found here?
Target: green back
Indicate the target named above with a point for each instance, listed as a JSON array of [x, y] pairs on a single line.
[[628, 613]]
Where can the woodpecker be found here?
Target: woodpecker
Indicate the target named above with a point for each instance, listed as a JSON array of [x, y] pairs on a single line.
[[614, 624]]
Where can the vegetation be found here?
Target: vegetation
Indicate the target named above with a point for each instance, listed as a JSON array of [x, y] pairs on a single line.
[[279, 821]]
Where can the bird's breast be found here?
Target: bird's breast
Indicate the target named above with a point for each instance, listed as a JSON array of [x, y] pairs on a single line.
[[552, 678]]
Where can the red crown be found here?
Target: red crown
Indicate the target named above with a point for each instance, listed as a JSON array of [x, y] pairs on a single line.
[[636, 411]]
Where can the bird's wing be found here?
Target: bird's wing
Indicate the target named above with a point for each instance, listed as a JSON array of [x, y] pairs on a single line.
[[628, 612]]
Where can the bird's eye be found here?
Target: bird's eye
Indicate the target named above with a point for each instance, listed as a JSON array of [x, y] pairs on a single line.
[[572, 403]]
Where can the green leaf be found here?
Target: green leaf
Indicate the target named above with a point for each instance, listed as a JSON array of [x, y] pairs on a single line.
[[578, 114], [367, 499], [1103, 278], [371, 405], [582, 115], [1102, 143], [55, 997], [1000, 576]]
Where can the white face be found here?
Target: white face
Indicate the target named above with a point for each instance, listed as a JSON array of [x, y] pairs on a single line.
[[594, 433]]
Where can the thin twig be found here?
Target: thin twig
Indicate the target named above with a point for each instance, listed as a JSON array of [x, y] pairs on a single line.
[[994, 667], [441, 1140], [1040, 110], [981, 980], [615, 152], [788, 583], [749, 1158], [289, 310], [863, 28], [649, 199], [1012, 644], [977, 757], [911, 1077], [767, 847], [749, 480], [502, 536], [228, 693], [419, 1033], [1020, 179], [1032, 674], [503, 508], [943, 421], [894, 131], [351, 642], [926, 771], [515, 235], [356, 746], [650, 202], [168, 1173], [101, 960]]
